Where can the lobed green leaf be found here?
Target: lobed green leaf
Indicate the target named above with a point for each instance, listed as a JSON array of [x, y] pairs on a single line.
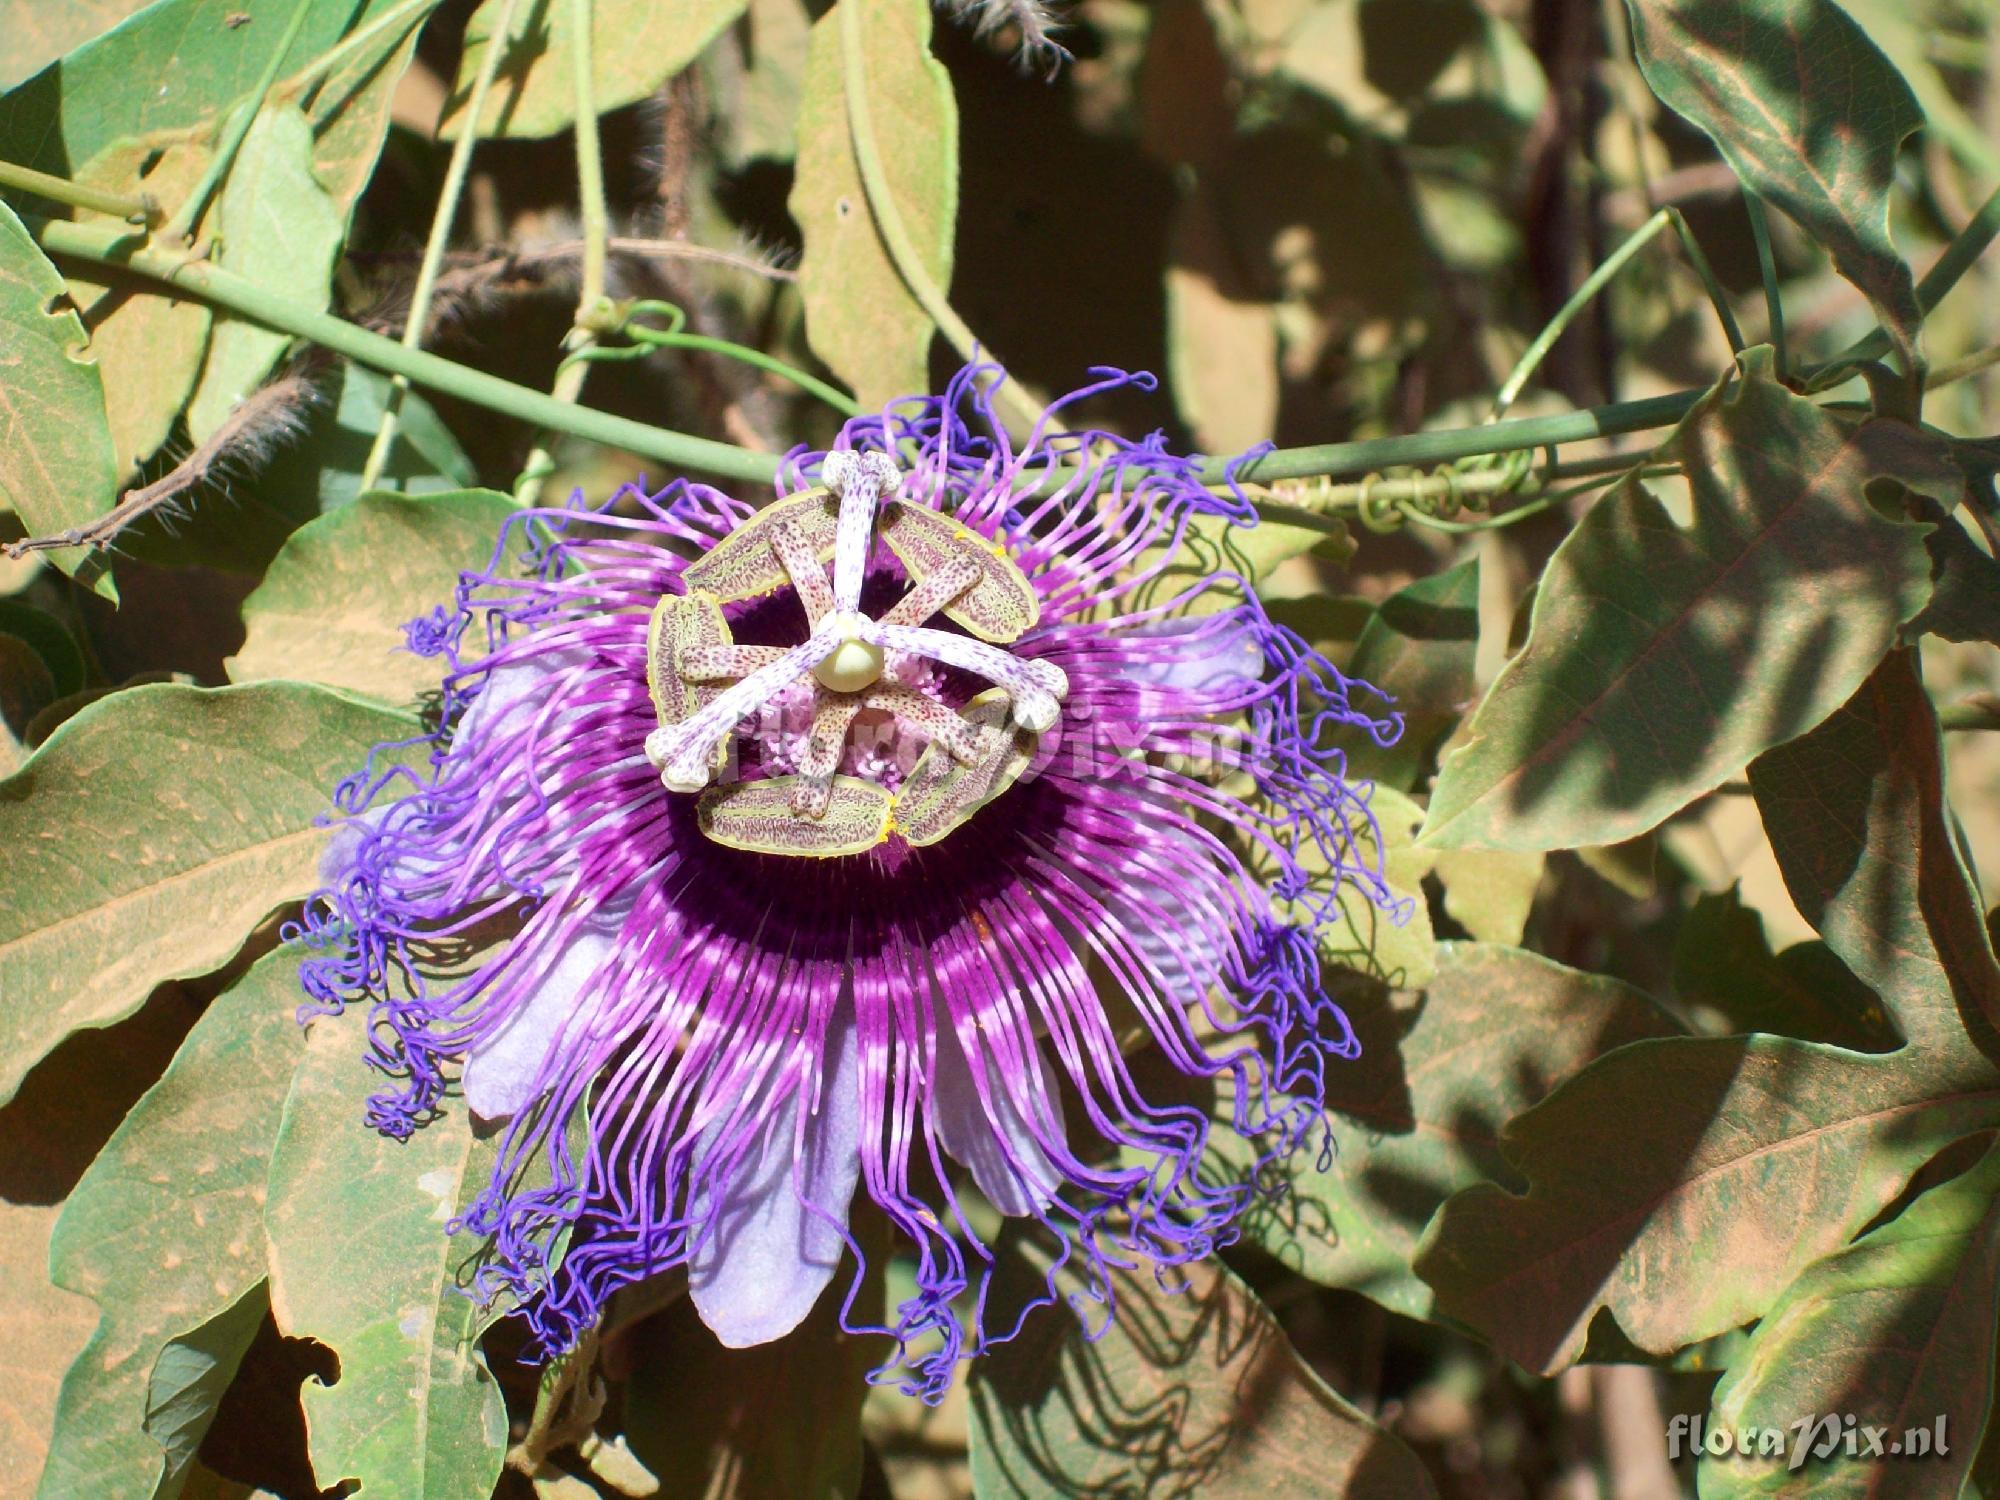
[[1857, 817], [1895, 1332], [150, 833], [415, 1412], [1809, 113], [635, 46], [57, 468], [332, 606], [1419, 1114], [1661, 659], [1188, 1390], [165, 1233], [202, 57]]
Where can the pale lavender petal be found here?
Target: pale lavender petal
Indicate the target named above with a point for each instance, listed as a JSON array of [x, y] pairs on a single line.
[[526, 681], [1212, 654], [984, 1134], [503, 1071], [770, 1256]]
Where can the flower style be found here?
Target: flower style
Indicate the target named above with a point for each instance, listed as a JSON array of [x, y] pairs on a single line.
[[876, 875]]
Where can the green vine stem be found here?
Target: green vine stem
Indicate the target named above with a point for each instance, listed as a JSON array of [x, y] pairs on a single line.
[[1959, 369], [1531, 359], [1975, 714], [592, 312], [107, 244], [53, 189], [1767, 271], [889, 219], [1435, 499], [1447, 445], [441, 221], [187, 218]]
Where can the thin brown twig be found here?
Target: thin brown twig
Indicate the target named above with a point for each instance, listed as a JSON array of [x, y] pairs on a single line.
[[1634, 205], [464, 286], [685, 250], [259, 424]]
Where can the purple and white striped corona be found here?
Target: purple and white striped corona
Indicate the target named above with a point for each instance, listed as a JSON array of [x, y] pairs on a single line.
[[854, 843]]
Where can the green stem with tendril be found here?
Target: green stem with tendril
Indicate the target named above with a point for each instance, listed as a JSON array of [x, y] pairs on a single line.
[[592, 312], [441, 222], [107, 244]]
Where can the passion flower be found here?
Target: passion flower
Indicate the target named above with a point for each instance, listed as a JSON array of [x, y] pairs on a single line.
[[855, 841]]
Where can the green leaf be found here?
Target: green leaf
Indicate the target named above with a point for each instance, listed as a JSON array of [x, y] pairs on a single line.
[[325, 464], [350, 109], [164, 1233], [1896, 1332], [148, 836], [280, 230], [333, 605], [56, 464], [202, 57], [860, 317], [1809, 113], [760, 83], [1906, 32], [1489, 892], [38, 33], [1661, 659], [1418, 647], [1965, 589], [1195, 1393], [189, 1378], [635, 46], [1857, 817], [416, 1411], [51, 642], [1758, 1153], [1419, 1113], [148, 347], [1665, 1160], [728, 1424], [31, 1369], [1724, 965]]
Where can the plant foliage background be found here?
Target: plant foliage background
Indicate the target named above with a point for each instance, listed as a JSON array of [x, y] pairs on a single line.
[[1681, 1085]]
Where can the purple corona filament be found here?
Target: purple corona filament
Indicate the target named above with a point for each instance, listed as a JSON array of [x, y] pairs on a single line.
[[916, 964]]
